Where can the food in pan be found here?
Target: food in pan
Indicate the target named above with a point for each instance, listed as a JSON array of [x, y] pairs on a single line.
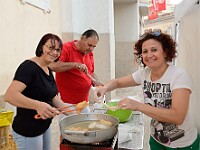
[[80, 106], [97, 125], [102, 124], [78, 129], [106, 122], [90, 125]]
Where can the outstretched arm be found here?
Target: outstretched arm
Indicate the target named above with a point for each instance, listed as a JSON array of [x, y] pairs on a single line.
[[122, 82], [60, 66], [175, 114]]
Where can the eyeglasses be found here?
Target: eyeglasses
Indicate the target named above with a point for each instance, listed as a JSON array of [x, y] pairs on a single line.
[[155, 32], [52, 48]]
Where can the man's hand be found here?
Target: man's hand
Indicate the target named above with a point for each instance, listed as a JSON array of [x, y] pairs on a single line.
[[82, 67]]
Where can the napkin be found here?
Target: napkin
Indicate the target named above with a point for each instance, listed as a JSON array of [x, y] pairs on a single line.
[[124, 133]]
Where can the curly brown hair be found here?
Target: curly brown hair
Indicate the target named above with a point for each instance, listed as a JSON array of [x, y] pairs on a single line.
[[168, 45]]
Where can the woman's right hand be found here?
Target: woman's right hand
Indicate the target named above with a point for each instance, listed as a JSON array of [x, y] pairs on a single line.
[[99, 93], [46, 111]]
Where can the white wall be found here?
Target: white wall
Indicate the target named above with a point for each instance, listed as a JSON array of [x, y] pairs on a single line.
[[189, 52], [126, 21], [126, 33], [80, 15], [66, 16], [21, 27]]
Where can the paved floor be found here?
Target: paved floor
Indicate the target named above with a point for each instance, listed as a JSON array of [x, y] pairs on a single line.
[[55, 134], [146, 132]]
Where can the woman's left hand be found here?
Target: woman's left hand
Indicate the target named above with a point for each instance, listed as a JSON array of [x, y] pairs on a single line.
[[128, 103]]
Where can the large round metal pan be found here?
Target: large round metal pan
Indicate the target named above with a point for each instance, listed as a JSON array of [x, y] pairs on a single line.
[[87, 137]]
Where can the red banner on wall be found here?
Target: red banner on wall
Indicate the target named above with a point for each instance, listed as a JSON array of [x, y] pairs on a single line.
[[152, 13], [159, 5]]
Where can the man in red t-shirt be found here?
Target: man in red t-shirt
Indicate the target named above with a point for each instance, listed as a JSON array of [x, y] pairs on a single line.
[[75, 62]]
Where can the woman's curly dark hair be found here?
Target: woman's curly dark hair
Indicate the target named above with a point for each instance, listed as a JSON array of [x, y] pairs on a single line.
[[168, 45]]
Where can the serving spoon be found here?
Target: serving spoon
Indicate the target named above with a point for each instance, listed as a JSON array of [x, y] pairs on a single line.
[[94, 80]]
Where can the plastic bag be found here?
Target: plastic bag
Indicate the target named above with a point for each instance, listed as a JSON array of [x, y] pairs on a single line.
[[6, 117]]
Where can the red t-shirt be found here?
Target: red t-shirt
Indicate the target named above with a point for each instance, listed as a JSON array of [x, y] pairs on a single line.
[[74, 85]]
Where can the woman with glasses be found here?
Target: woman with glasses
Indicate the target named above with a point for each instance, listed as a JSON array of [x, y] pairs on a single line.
[[34, 91], [167, 90]]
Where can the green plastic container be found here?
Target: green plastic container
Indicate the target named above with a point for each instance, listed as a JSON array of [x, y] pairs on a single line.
[[122, 114]]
